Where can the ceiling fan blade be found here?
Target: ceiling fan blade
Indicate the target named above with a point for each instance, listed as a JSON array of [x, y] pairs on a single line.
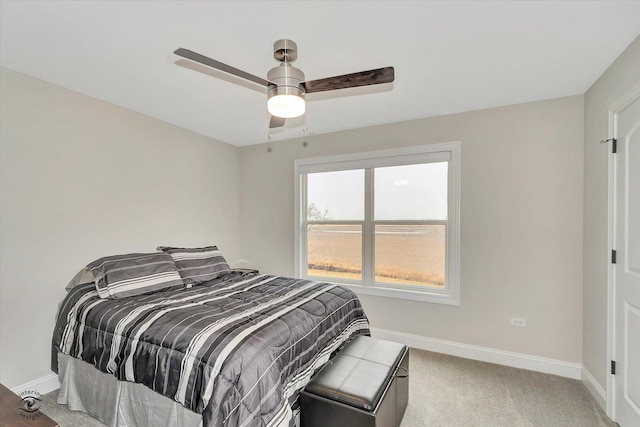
[[276, 122], [363, 78], [189, 54]]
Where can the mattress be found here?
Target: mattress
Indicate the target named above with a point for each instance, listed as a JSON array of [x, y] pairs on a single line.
[[236, 351]]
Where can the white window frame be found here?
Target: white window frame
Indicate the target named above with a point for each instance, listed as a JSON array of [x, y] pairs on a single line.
[[448, 151]]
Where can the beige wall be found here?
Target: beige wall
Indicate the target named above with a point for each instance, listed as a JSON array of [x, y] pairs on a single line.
[[80, 179], [621, 77], [521, 223]]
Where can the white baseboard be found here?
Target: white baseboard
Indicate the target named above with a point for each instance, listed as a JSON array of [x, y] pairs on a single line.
[[596, 390], [43, 385], [484, 354]]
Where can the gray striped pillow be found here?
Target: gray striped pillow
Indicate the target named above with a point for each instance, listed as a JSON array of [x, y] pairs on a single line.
[[198, 265], [120, 276]]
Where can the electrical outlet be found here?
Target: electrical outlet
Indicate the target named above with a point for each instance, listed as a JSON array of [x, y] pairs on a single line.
[[515, 321]]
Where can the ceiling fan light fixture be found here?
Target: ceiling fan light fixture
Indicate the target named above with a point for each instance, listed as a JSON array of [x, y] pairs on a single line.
[[285, 93], [286, 106]]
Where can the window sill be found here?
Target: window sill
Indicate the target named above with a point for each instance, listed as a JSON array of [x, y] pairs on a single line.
[[423, 296]]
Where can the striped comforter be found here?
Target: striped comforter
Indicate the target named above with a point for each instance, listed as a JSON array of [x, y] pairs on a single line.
[[237, 349]]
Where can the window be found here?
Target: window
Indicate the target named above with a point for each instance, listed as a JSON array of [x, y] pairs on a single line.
[[385, 223]]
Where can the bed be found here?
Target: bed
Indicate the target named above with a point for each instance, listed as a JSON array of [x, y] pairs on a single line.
[[232, 351]]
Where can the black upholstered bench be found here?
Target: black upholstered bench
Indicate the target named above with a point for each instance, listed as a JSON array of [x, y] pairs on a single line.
[[365, 385]]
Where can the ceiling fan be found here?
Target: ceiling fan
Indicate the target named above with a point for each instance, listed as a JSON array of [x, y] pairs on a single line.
[[285, 83]]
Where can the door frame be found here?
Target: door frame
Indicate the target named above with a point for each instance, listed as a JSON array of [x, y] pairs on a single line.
[[615, 109]]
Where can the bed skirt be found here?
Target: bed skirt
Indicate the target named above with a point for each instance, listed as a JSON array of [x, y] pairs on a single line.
[[117, 403]]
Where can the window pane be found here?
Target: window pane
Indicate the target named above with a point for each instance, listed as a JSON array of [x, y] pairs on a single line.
[[335, 195], [411, 192], [410, 254], [334, 251]]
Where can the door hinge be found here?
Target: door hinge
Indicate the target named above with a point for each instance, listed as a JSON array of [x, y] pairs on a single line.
[[613, 256], [613, 367], [614, 145]]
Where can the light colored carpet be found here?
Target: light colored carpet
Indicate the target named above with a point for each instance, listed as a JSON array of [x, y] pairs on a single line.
[[447, 391], [451, 391]]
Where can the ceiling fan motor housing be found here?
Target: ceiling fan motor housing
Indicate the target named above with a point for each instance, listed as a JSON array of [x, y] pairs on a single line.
[[285, 79]]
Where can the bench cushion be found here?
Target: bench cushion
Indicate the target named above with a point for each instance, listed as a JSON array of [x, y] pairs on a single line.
[[359, 374]]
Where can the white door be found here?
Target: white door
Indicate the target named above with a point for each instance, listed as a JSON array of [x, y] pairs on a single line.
[[626, 271]]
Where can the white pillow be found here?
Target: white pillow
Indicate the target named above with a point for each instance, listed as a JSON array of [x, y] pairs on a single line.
[[84, 276]]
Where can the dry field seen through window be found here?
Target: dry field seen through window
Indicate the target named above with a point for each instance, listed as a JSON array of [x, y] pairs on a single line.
[[404, 254]]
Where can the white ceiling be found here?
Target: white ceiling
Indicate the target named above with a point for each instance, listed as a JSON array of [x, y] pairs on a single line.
[[449, 57]]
